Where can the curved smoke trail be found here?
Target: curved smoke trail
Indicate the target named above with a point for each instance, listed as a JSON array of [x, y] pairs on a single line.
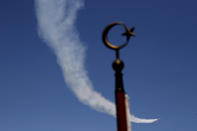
[[56, 21]]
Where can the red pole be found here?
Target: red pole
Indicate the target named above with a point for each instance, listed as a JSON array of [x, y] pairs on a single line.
[[120, 97], [121, 111]]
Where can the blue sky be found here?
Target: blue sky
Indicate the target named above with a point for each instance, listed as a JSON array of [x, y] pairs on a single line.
[[159, 75]]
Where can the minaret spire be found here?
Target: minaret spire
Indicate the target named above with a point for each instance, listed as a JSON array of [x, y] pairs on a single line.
[[122, 105]]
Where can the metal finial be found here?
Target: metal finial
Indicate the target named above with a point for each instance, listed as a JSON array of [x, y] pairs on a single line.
[[128, 33]]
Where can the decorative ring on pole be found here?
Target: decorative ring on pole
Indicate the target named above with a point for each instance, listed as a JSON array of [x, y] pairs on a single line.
[[128, 33]]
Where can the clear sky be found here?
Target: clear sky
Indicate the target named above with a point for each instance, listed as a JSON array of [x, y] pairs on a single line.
[[159, 76]]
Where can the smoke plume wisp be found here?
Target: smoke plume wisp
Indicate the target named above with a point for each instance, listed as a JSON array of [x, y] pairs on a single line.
[[56, 24]]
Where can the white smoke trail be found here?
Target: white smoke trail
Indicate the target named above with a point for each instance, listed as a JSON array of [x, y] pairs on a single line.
[[56, 21]]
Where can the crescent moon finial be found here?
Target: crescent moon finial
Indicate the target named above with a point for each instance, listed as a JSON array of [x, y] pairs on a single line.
[[128, 33]]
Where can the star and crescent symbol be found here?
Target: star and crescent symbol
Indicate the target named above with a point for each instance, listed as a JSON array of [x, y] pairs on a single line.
[[128, 33]]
